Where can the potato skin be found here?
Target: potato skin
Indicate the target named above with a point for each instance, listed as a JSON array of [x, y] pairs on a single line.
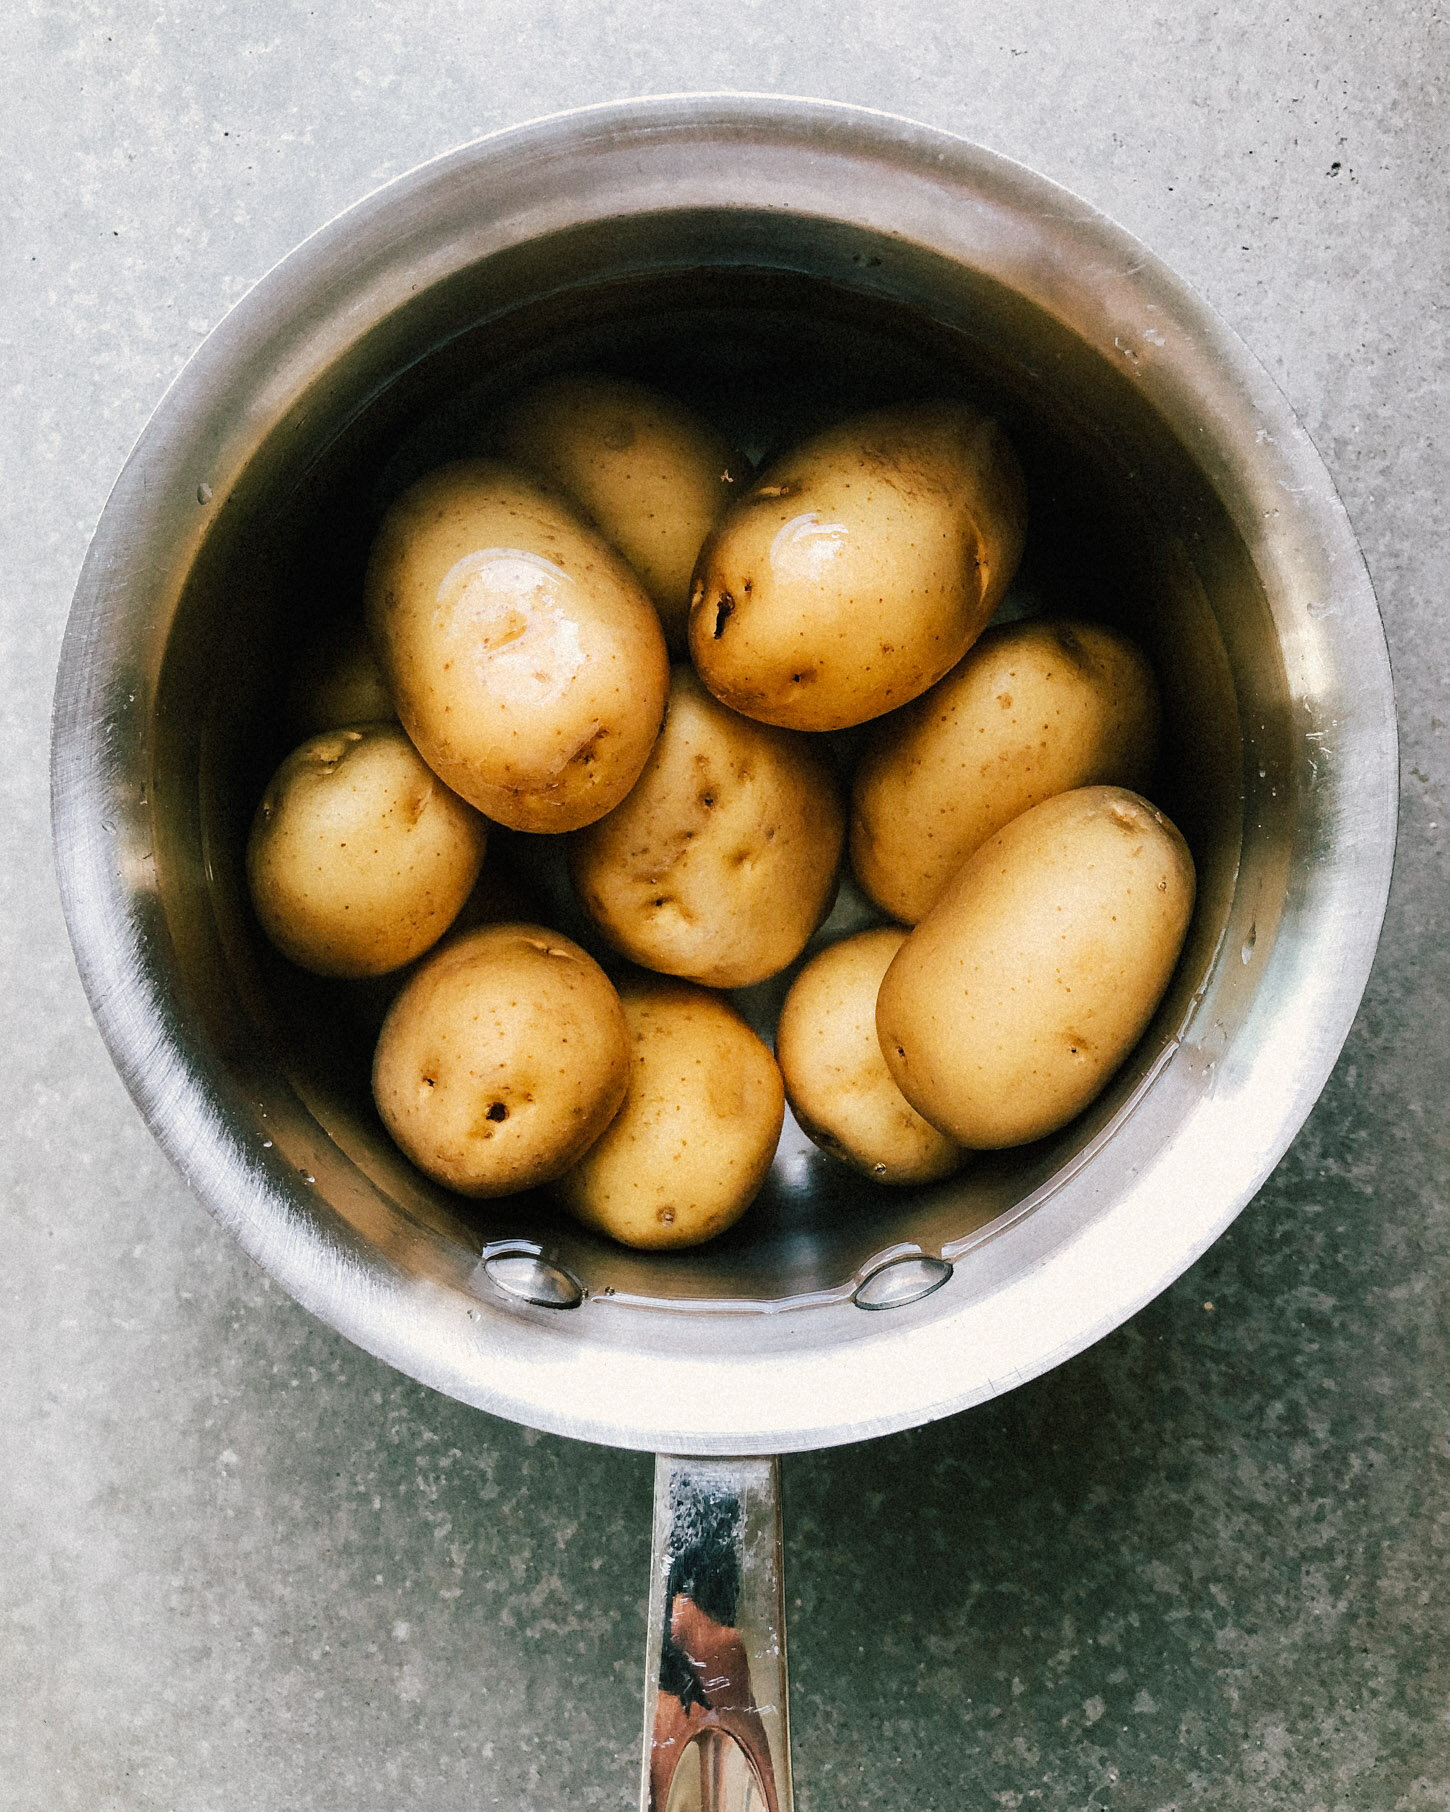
[[648, 472], [502, 1061], [1034, 709], [524, 657], [337, 681], [1012, 1003], [859, 568], [723, 860], [687, 1153], [359, 857], [836, 1078]]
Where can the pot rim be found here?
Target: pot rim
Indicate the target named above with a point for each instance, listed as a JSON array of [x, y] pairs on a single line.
[[572, 1374]]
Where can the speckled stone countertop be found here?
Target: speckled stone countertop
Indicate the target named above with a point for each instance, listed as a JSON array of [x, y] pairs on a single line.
[[1201, 1566]]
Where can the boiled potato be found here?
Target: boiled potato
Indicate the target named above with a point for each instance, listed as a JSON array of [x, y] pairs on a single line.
[[836, 1078], [360, 858], [524, 657], [686, 1154], [1015, 999], [722, 861], [337, 681], [859, 569], [650, 475], [1035, 709], [502, 1061]]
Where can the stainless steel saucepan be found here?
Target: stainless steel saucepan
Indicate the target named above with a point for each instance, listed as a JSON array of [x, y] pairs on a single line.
[[780, 261]]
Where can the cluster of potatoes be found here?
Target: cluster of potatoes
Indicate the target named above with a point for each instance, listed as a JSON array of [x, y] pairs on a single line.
[[515, 666]]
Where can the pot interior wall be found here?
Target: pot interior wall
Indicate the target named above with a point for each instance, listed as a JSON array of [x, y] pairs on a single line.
[[770, 326]]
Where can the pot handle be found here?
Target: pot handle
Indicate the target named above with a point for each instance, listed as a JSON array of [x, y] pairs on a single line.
[[716, 1719]]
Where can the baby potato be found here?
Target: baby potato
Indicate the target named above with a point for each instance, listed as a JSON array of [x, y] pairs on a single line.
[[1036, 708], [360, 858], [836, 1078], [859, 569], [1012, 1003], [650, 475], [723, 860], [337, 681], [687, 1153], [502, 1061], [524, 657]]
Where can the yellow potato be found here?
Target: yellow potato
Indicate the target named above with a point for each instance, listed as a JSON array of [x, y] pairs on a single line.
[[502, 1061], [360, 858], [1035, 709], [523, 655], [649, 474], [687, 1153], [836, 1078], [1012, 1003], [859, 569], [723, 860], [337, 681]]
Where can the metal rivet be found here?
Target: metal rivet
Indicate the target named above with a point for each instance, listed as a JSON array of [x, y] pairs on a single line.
[[900, 1281], [529, 1278]]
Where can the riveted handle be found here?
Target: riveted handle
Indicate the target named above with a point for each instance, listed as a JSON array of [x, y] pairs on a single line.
[[716, 1721]]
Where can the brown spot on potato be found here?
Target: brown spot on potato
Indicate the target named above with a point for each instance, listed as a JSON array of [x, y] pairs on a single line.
[[724, 610]]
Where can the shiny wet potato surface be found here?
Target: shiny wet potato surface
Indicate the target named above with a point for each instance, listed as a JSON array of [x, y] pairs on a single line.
[[648, 472], [523, 655], [859, 568]]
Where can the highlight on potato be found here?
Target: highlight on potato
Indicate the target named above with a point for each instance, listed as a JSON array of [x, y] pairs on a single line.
[[651, 476], [860, 567], [525, 659]]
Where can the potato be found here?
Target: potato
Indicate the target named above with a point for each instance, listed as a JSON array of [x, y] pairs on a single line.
[[1015, 999], [723, 860], [687, 1153], [524, 657], [337, 681], [836, 1078], [360, 858], [1035, 709], [650, 475], [859, 569], [502, 1061]]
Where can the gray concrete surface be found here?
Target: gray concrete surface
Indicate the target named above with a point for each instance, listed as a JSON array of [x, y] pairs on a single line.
[[1202, 1566]]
